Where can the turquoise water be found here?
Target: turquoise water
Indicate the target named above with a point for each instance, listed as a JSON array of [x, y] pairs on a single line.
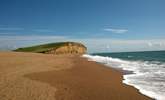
[[143, 56], [148, 69]]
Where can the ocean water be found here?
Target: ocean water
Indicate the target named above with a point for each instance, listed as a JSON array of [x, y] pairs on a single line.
[[148, 70]]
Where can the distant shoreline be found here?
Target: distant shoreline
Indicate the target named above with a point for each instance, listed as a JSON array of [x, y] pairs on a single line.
[[40, 76]]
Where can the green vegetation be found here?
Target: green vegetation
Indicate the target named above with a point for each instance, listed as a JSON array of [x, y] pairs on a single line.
[[45, 47]]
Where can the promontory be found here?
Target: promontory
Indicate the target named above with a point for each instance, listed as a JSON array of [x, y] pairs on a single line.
[[56, 48]]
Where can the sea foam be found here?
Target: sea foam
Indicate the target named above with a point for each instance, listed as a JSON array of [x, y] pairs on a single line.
[[148, 76]]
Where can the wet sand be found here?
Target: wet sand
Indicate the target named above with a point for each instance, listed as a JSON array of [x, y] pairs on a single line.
[[30, 76]]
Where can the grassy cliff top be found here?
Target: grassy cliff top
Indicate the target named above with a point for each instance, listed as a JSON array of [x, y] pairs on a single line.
[[45, 47]]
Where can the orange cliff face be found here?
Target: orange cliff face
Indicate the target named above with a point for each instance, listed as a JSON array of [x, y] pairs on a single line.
[[70, 48]]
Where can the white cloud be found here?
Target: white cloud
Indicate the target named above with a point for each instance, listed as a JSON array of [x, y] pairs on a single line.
[[43, 30], [150, 44], [116, 30], [159, 44], [122, 45], [4, 33], [108, 47], [10, 29], [30, 38], [93, 44]]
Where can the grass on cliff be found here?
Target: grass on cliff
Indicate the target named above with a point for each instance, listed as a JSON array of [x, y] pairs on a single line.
[[42, 48]]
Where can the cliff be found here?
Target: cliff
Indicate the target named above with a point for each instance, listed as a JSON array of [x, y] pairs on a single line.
[[56, 48]]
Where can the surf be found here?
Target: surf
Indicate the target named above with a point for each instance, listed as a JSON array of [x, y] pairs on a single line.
[[148, 76]]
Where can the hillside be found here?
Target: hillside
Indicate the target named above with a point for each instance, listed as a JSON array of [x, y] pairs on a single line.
[[56, 48]]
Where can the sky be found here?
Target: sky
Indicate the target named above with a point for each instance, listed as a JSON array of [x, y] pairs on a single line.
[[102, 25]]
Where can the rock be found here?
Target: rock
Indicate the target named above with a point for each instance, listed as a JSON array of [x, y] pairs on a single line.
[[68, 48]]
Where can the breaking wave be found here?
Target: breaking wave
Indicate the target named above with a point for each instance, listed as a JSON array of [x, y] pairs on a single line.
[[147, 76]]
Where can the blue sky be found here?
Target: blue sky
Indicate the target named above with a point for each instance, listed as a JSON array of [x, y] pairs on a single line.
[[103, 25]]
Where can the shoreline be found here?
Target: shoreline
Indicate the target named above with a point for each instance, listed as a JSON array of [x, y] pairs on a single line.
[[47, 76], [126, 73]]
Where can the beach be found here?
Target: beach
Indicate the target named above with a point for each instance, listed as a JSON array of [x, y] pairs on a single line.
[[34, 76]]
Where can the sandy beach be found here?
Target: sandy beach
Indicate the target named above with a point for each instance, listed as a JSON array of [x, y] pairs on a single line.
[[33, 76]]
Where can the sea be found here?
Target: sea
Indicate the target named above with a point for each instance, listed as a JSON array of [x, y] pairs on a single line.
[[148, 69]]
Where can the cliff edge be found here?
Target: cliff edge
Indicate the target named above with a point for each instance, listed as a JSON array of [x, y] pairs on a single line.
[[56, 48]]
